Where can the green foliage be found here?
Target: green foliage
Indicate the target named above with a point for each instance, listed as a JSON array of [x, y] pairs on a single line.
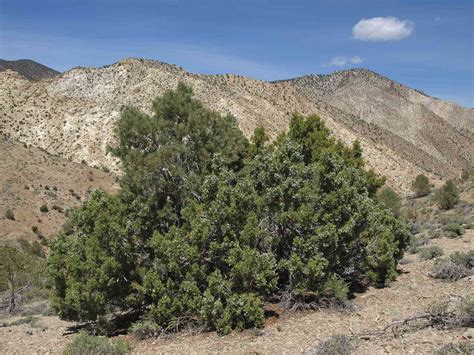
[[145, 328], [448, 195], [93, 271], [466, 175], [454, 227], [44, 208], [421, 186], [85, 344], [208, 226], [22, 267], [430, 252], [390, 199], [9, 214]]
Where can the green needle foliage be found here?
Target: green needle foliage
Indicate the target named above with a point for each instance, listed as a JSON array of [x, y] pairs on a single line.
[[208, 225], [390, 199], [448, 195], [421, 186]]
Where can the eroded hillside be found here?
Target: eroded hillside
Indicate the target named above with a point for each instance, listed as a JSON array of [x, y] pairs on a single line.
[[403, 132], [31, 178]]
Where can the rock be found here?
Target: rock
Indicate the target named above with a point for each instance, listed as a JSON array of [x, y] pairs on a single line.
[[468, 334]]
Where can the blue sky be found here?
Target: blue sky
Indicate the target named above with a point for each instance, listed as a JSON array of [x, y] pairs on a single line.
[[430, 45]]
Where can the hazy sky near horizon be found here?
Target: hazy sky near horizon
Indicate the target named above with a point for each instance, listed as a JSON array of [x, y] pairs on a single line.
[[428, 45]]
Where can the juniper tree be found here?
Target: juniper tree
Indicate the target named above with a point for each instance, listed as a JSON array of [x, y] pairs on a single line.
[[208, 226], [448, 195], [421, 186]]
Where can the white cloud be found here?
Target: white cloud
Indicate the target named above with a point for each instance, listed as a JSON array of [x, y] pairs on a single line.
[[339, 61], [343, 61], [382, 29], [357, 60]]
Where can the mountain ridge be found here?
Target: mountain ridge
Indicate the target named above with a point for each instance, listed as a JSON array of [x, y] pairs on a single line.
[[403, 132], [29, 69]]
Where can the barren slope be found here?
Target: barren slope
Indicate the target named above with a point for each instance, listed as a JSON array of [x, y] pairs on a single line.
[[30, 178], [403, 132]]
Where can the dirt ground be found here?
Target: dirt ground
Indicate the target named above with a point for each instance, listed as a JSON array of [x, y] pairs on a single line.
[[29, 178]]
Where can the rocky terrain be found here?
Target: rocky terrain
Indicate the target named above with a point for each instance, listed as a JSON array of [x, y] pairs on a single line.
[[28, 68], [403, 131]]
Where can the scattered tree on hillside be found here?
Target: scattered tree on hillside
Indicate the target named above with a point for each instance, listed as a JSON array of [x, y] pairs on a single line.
[[448, 195], [421, 186], [9, 214], [390, 199], [208, 226]]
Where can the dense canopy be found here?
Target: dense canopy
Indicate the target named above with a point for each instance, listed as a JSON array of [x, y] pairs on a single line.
[[209, 226]]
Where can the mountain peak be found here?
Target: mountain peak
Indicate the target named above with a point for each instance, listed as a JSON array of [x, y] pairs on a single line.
[[403, 133], [29, 69]]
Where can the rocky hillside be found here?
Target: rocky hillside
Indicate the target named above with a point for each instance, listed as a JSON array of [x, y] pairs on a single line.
[[28, 68], [403, 131], [31, 178]]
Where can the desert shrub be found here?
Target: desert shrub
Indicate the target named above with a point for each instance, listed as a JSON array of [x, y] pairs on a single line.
[[36, 308], [207, 226], [86, 344], [336, 345], [145, 328], [9, 214], [21, 273], [421, 186], [57, 208], [390, 199], [44, 208], [465, 259], [449, 315], [466, 311], [466, 174], [448, 195], [456, 267], [430, 252], [416, 243], [461, 348], [454, 227], [37, 249]]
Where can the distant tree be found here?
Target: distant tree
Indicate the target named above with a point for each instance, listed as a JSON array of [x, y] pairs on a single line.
[[466, 174], [421, 186], [390, 199], [448, 195], [9, 214], [44, 208]]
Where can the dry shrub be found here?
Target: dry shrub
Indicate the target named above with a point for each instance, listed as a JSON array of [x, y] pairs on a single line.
[[337, 344]]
